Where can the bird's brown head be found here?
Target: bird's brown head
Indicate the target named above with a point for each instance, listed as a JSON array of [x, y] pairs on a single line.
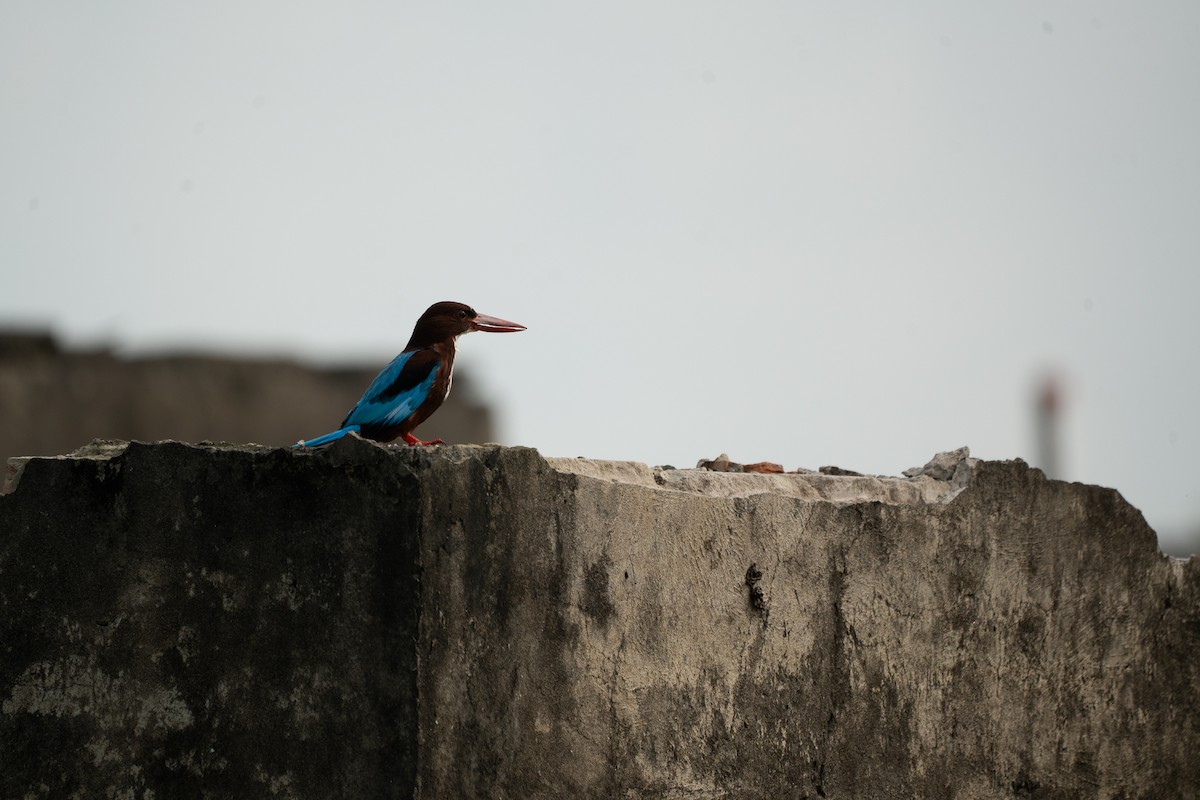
[[447, 320]]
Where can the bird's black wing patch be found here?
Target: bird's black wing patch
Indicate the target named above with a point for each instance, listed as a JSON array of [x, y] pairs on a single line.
[[414, 372]]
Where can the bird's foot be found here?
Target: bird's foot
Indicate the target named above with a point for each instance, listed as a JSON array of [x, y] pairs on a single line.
[[410, 439]]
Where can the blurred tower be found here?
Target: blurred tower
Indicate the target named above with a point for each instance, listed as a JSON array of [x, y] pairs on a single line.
[[1047, 411]]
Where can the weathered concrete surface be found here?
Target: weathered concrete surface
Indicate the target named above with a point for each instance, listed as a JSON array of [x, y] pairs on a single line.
[[362, 621], [183, 622]]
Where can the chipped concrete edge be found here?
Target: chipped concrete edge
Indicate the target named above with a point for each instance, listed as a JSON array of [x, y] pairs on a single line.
[[939, 481], [95, 450]]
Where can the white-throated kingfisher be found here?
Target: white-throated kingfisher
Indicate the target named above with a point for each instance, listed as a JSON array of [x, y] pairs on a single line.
[[415, 383]]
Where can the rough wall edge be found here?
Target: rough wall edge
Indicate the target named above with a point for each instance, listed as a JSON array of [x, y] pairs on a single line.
[[808, 486], [922, 486]]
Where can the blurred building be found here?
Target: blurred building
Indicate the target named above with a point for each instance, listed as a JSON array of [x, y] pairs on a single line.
[[52, 401]]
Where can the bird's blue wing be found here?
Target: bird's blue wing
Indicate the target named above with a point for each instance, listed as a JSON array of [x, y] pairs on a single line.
[[397, 391]]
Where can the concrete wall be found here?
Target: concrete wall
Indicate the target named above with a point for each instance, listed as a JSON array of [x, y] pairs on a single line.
[[363, 621]]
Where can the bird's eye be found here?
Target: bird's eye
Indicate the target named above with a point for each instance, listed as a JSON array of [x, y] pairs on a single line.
[[462, 313]]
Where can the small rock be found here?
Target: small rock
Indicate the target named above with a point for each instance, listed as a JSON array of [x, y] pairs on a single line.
[[719, 464], [764, 467], [839, 471], [942, 466]]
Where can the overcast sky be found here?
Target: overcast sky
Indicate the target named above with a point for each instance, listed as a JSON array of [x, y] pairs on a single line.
[[811, 233]]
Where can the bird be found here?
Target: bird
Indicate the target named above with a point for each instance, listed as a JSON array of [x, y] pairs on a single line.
[[415, 383]]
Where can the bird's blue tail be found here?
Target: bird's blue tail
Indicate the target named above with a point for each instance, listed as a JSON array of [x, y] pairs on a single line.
[[329, 437]]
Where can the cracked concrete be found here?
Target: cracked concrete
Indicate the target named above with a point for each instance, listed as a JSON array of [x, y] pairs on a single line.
[[371, 621]]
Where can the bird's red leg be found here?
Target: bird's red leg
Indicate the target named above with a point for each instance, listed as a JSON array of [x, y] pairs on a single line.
[[410, 439]]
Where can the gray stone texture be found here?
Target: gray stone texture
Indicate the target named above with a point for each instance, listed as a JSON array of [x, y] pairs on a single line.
[[371, 621]]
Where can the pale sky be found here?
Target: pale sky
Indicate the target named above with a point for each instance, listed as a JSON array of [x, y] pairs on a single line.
[[810, 233]]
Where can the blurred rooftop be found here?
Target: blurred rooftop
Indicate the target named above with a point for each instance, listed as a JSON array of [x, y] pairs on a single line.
[[53, 400]]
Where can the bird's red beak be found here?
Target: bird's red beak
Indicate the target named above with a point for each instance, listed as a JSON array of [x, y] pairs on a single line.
[[483, 322]]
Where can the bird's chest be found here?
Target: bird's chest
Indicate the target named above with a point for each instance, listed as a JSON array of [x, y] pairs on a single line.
[[441, 385]]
